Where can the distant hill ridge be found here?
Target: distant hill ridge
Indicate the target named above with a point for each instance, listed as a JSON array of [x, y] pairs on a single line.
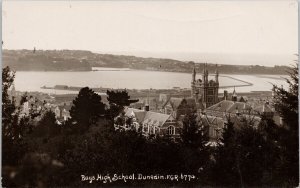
[[80, 60]]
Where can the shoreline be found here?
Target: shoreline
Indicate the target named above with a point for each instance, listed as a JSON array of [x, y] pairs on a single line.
[[148, 70]]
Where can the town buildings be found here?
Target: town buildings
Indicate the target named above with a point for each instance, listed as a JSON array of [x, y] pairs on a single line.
[[213, 110], [165, 117]]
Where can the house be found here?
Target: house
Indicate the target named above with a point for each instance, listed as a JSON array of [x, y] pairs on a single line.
[[215, 125], [239, 113], [180, 106], [229, 107], [153, 123]]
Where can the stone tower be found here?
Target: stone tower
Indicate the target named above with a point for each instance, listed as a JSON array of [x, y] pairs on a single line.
[[205, 91]]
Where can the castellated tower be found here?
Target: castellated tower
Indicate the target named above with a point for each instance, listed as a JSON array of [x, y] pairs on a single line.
[[205, 91]]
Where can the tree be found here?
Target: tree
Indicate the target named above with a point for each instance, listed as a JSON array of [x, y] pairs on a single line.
[[286, 101], [224, 171], [193, 149], [193, 132], [13, 127], [270, 133], [47, 126], [184, 109], [87, 108], [117, 101], [8, 106], [286, 104], [243, 158]]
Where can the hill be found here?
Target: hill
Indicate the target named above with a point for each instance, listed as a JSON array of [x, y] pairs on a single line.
[[79, 60]]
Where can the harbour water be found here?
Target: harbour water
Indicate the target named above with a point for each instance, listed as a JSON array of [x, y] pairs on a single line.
[[135, 79]]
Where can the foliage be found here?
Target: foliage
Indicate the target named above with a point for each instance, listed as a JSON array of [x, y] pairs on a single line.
[[118, 100], [119, 97], [87, 108], [14, 126], [248, 156], [8, 106], [195, 153], [193, 133], [47, 126], [104, 150], [286, 103], [24, 98], [224, 171], [184, 109]]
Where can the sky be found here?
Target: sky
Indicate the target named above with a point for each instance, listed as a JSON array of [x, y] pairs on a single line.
[[179, 29]]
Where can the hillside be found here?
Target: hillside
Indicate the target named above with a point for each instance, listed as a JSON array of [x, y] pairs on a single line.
[[78, 60]]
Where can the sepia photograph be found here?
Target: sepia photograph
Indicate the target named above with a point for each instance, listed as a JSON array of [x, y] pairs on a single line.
[[150, 93]]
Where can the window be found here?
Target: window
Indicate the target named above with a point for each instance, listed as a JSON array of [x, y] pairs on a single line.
[[210, 92], [214, 132], [151, 129], [171, 130], [157, 130], [210, 131], [210, 99], [145, 127]]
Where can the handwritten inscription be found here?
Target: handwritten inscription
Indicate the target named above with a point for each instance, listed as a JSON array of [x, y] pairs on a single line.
[[138, 177]]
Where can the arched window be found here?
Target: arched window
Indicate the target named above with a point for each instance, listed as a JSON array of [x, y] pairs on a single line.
[[171, 130]]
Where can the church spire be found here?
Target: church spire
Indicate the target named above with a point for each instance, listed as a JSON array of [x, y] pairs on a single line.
[[234, 92], [234, 95]]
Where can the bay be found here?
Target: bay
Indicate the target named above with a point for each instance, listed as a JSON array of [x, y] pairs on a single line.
[[135, 79]]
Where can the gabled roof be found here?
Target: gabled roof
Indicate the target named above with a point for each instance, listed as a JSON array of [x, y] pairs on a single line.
[[190, 101], [212, 120], [154, 117], [241, 120], [263, 108], [131, 111], [222, 106], [229, 106], [174, 102], [140, 116], [238, 121], [240, 106], [147, 116], [242, 98]]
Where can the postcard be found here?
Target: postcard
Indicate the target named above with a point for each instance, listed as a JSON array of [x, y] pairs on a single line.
[[150, 93]]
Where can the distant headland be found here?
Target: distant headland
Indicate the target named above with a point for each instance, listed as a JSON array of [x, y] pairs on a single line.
[[80, 60]]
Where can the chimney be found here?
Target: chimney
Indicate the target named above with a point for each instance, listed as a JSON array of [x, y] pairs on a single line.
[[146, 108], [225, 95]]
